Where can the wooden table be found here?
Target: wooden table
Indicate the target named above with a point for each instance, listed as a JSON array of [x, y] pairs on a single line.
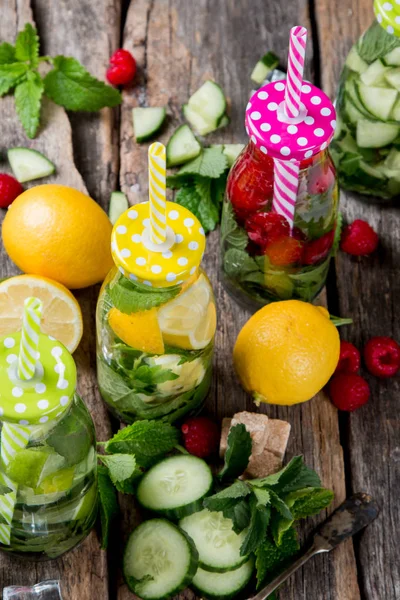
[[177, 45]]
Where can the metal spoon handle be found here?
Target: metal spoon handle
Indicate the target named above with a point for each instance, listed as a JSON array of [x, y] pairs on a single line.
[[271, 587]]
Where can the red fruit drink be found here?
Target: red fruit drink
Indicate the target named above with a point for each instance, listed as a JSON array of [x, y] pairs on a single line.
[[273, 249]]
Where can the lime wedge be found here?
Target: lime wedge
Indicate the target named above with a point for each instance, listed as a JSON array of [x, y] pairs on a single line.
[[60, 481], [26, 467]]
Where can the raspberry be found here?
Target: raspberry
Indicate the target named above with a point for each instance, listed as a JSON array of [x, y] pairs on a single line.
[[263, 228], [359, 239], [349, 359], [318, 249], [122, 69], [382, 356], [10, 188], [201, 436], [284, 251], [348, 391]]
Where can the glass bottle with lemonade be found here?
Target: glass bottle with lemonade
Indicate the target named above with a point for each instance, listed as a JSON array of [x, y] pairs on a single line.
[[48, 464], [156, 315]]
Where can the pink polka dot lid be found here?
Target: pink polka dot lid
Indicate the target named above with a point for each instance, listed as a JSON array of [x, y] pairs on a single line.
[[298, 138]]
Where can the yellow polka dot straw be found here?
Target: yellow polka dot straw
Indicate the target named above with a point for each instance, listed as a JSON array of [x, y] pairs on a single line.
[[158, 264], [157, 192]]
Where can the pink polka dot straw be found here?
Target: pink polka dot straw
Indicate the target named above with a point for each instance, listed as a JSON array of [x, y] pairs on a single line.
[[290, 139]]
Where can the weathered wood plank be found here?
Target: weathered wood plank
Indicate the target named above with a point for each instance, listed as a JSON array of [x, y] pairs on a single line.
[[178, 45], [84, 571], [368, 291]]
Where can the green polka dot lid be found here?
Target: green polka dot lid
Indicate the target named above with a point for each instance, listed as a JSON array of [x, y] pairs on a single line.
[[38, 377], [388, 15]]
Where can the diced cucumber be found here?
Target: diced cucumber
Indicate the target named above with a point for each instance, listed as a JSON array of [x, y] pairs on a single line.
[[182, 146], [28, 164], [393, 77], [176, 486], [355, 62], [209, 103], [147, 121], [372, 134], [197, 122], [218, 545], [232, 151], [352, 94], [375, 73], [393, 58], [118, 205], [352, 111], [159, 560], [396, 111], [264, 66], [378, 101], [392, 161], [348, 144], [222, 585]]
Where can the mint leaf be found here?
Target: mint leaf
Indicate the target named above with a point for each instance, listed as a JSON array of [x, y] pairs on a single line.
[[338, 234], [263, 496], [240, 515], [210, 163], [208, 212], [280, 506], [271, 560], [237, 453], [120, 466], [309, 501], [7, 54], [375, 43], [176, 181], [293, 476], [279, 525], [27, 45], [147, 440], [71, 86], [145, 376], [260, 516], [10, 75], [231, 233], [227, 498], [129, 298], [238, 263], [109, 508], [28, 96], [189, 198]]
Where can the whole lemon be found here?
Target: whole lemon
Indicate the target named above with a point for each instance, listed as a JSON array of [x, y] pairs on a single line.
[[58, 232], [286, 352]]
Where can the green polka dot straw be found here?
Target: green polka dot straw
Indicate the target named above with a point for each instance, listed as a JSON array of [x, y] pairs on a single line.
[[38, 380]]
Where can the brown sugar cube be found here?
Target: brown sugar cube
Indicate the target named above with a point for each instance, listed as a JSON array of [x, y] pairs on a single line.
[[257, 425], [226, 425], [278, 437], [262, 465]]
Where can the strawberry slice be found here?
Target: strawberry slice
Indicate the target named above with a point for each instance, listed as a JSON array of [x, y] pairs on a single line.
[[317, 250]]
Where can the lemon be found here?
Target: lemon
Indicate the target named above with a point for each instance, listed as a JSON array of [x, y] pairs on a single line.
[[190, 374], [61, 316], [138, 330], [189, 320], [58, 232], [286, 352]]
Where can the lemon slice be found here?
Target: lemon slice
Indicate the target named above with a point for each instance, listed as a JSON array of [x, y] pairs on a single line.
[[139, 330], [61, 316], [189, 320]]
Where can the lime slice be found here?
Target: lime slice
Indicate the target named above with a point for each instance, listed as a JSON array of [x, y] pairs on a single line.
[[60, 481], [26, 467]]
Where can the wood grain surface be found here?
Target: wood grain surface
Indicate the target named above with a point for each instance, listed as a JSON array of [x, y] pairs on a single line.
[[178, 44]]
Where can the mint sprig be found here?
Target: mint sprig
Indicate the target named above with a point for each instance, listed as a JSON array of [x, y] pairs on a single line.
[[67, 83]]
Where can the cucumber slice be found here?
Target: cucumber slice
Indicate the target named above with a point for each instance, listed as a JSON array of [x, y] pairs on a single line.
[[264, 66], [392, 161], [355, 62], [352, 111], [378, 101], [348, 144], [182, 146], [147, 121], [218, 545], [224, 122], [375, 135], [209, 103], [118, 205], [176, 486], [375, 73], [232, 151], [393, 77], [222, 585], [377, 173], [396, 111], [352, 94], [393, 58], [28, 164], [159, 560]]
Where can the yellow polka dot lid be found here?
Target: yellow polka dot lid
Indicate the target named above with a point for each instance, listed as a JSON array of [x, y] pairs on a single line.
[[158, 264], [37, 375], [388, 15]]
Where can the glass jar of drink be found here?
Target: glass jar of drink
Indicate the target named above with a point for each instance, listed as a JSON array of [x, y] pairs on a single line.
[[48, 472], [281, 205], [366, 148], [156, 319]]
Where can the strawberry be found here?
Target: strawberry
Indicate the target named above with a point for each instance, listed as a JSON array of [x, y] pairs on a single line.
[[359, 239], [349, 359], [382, 356], [200, 436], [320, 180], [348, 391], [284, 251], [122, 68], [10, 188], [263, 228], [250, 186], [317, 250]]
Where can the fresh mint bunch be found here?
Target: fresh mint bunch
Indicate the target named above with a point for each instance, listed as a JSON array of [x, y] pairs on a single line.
[[67, 83]]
